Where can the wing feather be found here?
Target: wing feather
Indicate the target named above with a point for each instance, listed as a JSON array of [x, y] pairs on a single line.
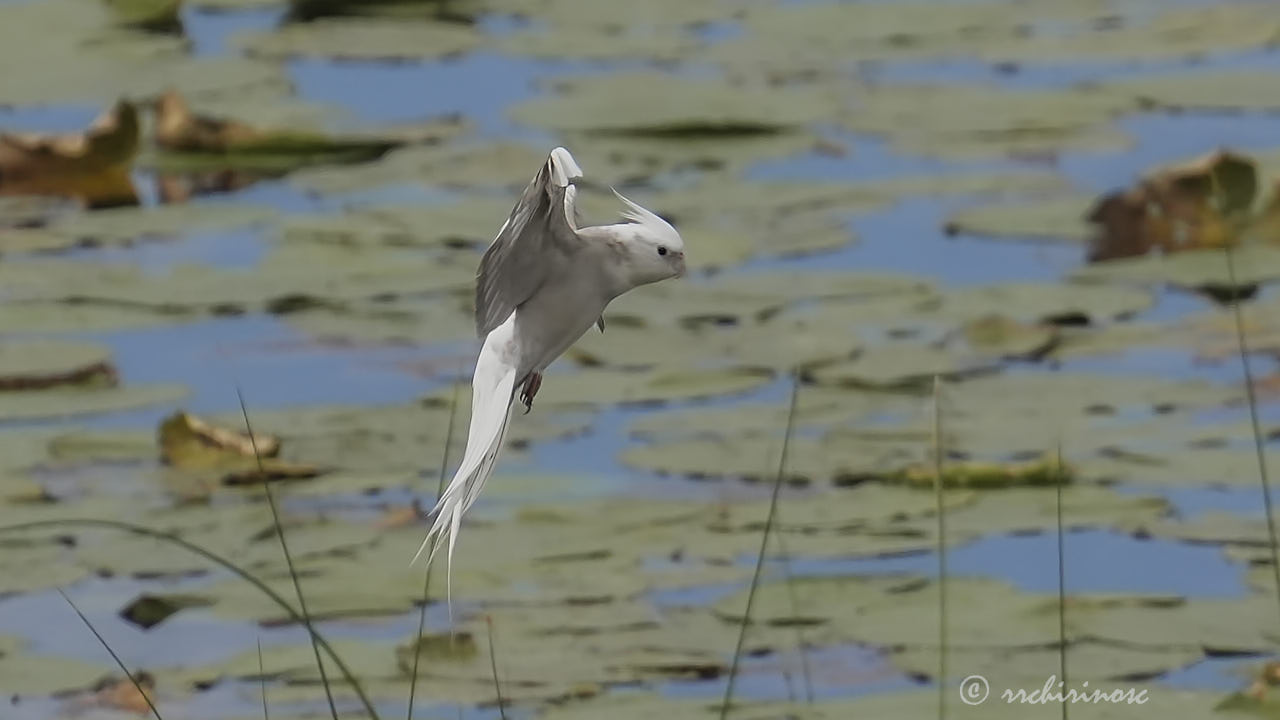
[[540, 232]]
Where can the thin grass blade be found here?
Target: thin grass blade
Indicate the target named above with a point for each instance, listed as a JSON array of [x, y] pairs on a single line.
[[941, 511], [764, 547], [802, 644], [1259, 442], [288, 558], [262, 681], [426, 575], [493, 666], [1059, 478], [114, 656], [211, 557]]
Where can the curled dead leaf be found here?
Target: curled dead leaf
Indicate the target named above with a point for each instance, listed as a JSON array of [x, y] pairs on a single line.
[[179, 129], [1195, 205], [121, 693], [92, 166], [189, 442]]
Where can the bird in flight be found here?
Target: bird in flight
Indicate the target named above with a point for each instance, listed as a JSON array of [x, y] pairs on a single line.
[[541, 285]]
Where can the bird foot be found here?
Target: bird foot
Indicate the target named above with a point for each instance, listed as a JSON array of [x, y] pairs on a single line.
[[530, 390]]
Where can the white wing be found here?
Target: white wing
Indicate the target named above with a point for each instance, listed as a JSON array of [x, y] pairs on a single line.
[[540, 232]]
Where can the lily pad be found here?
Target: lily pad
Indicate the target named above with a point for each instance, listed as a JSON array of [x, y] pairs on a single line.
[[82, 57], [40, 675], [451, 165], [1201, 90], [1066, 303], [592, 387], [124, 226], [1002, 337], [902, 366], [40, 364], [1053, 218], [1031, 667], [621, 103], [472, 223], [68, 403], [1177, 32], [362, 38], [91, 167], [951, 120], [1201, 270]]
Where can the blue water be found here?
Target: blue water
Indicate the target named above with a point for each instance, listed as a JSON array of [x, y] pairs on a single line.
[[1098, 561], [277, 366]]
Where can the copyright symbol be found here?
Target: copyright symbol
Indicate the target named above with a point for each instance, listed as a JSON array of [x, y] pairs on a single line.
[[974, 690]]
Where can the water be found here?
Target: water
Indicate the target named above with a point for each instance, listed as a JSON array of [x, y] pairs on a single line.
[[277, 366]]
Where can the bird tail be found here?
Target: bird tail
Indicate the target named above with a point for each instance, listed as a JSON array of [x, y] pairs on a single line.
[[492, 393]]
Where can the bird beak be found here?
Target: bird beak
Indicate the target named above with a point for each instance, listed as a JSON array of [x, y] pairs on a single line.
[[680, 264]]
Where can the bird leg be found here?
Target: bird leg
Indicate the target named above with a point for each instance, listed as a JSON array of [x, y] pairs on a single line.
[[529, 390]]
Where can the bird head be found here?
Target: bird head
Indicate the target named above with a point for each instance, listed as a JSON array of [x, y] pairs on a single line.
[[655, 248]]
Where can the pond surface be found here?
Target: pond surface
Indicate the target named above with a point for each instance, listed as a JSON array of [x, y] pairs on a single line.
[[909, 169]]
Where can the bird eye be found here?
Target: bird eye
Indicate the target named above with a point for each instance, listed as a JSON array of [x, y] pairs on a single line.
[[662, 250]]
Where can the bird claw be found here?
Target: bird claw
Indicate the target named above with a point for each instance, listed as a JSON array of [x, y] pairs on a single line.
[[530, 390]]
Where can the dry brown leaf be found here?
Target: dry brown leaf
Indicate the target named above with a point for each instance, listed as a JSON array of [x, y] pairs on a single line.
[[92, 166], [122, 694], [398, 516], [1195, 205], [179, 129], [176, 188], [187, 441]]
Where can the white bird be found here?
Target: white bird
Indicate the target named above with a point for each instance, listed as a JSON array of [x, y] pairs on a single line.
[[541, 285]]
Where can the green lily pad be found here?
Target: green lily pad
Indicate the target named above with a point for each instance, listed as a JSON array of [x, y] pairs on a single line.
[[767, 346], [747, 298], [1052, 218], [362, 38], [630, 159], [748, 458], [404, 321], [1203, 270], [559, 41], [621, 103], [1031, 667], [981, 120], [151, 15], [593, 386], [451, 165], [20, 211], [471, 223], [41, 675], [68, 403], [291, 277], [54, 317], [815, 407], [82, 57], [120, 226], [1044, 302], [803, 38], [40, 364], [1201, 90], [1002, 337], [86, 446], [1177, 32], [902, 366]]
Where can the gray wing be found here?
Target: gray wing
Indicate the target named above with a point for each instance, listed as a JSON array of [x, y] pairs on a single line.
[[540, 232]]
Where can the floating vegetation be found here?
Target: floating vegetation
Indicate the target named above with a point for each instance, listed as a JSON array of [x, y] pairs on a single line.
[[838, 168]]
